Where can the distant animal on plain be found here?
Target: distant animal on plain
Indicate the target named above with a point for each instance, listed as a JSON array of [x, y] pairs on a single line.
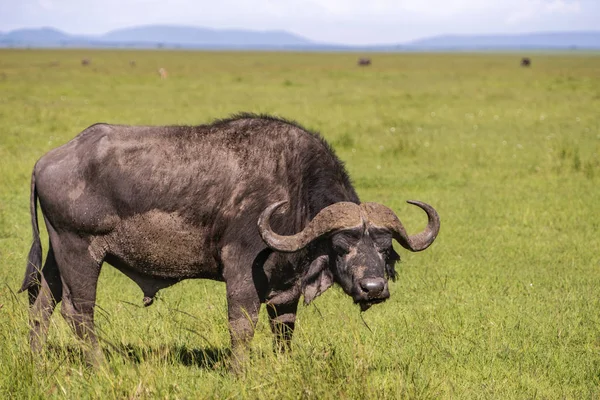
[[86, 61], [132, 63], [364, 62], [525, 62], [254, 201], [163, 73]]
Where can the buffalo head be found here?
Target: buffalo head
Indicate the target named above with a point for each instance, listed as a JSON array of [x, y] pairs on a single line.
[[355, 247]]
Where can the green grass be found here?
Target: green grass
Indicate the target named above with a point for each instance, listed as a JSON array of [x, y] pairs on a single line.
[[503, 305]]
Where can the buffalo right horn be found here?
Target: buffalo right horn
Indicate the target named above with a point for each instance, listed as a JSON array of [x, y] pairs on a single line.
[[380, 215], [342, 215]]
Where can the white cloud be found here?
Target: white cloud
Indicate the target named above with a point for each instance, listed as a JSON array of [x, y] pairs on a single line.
[[535, 8], [563, 6], [46, 4]]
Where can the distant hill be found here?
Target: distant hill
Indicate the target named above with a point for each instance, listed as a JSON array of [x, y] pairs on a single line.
[[539, 40], [28, 36], [166, 36], [190, 36], [155, 36]]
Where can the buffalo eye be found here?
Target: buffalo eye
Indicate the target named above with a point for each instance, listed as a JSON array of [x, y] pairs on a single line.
[[341, 249], [343, 241], [382, 240], [384, 246]]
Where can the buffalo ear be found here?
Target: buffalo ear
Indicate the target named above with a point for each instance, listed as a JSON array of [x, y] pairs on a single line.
[[317, 280], [390, 265]]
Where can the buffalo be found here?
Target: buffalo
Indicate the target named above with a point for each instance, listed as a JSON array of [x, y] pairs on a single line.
[[255, 201], [525, 62], [364, 62]]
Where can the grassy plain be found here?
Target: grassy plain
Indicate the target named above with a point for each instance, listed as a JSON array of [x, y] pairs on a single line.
[[504, 305]]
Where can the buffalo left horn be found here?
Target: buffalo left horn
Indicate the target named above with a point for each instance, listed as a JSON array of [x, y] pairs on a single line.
[[382, 216], [342, 215]]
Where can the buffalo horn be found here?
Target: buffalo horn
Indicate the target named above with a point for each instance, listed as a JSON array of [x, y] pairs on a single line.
[[342, 215], [382, 216]]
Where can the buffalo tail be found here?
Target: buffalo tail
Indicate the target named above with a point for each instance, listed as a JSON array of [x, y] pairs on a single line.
[[34, 260]]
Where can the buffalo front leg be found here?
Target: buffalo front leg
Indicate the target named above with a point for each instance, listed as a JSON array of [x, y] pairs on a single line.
[[282, 317], [243, 305]]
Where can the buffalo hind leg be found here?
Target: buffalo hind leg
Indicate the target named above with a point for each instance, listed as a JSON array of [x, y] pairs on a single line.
[[282, 318], [49, 294], [79, 273]]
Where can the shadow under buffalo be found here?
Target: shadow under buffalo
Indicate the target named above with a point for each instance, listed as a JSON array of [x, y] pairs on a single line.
[[206, 358]]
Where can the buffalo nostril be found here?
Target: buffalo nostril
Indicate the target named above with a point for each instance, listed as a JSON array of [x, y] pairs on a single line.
[[372, 286]]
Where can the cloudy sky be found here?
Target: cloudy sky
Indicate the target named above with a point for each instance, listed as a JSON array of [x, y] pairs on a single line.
[[330, 21]]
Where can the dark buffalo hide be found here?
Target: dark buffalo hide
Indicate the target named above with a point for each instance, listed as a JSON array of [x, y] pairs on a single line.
[[257, 202]]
